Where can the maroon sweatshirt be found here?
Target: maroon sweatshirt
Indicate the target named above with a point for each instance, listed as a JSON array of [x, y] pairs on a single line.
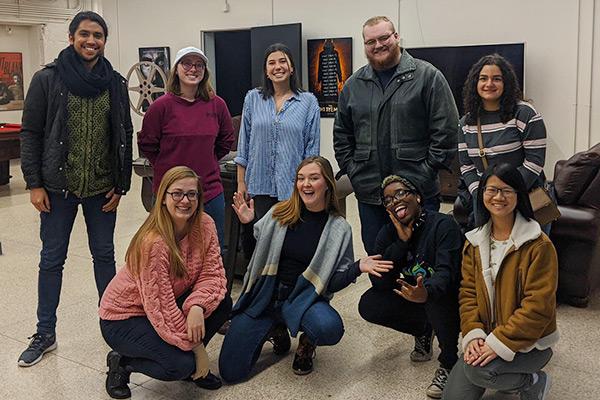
[[195, 134]]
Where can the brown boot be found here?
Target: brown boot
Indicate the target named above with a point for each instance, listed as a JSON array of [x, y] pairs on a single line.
[[303, 359]]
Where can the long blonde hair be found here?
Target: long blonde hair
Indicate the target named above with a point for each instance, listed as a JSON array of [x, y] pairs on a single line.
[[287, 212], [159, 223]]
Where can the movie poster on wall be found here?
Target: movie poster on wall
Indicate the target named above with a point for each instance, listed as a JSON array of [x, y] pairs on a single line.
[[329, 66], [11, 81], [160, 56]]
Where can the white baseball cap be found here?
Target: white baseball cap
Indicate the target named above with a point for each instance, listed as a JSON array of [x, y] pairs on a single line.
[[190, 50]]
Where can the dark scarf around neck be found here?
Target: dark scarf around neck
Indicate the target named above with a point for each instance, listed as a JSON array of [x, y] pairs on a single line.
[[78, 79]]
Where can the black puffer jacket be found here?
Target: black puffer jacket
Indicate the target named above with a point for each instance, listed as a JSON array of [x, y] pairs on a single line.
[[45, 138]]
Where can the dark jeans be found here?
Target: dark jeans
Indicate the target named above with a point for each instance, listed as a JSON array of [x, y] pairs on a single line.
[[393, 311], [262, 205], [216, 209], [246, 337], [143, 351], [374, 217], [469, 383], [55, 232]]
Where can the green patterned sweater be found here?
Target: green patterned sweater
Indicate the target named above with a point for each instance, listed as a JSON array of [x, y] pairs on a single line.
[[89, 167]]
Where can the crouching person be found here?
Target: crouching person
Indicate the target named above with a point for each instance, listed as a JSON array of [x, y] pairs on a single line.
[[303, 254], [168, 301], [419, 296], [507, 295]]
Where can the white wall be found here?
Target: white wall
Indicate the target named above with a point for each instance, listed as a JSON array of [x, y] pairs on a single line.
[[562, 46]]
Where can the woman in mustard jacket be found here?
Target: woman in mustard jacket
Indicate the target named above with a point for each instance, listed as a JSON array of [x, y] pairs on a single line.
[[507, 296]]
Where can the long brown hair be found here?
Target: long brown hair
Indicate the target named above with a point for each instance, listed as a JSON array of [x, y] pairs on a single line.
[[204, 90], [287, 212], [159, 223]]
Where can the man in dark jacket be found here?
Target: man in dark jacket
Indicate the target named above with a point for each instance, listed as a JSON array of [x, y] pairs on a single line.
[[396, 115], [419, 296], [75, 150]]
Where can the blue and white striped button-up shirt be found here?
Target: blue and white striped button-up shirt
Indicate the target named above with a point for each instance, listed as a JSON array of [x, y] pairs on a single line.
[[272, 144]]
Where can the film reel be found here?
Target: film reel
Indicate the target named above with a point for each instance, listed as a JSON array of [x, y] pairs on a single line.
[[151, 80]]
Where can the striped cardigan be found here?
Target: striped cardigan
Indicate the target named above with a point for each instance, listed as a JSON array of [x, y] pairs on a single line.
[[520, 142]]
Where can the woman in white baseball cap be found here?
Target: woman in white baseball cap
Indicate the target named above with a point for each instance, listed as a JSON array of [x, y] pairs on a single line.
[[190, 125]]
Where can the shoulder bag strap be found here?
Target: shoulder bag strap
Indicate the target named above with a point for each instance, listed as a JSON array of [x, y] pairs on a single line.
[[480, 143]]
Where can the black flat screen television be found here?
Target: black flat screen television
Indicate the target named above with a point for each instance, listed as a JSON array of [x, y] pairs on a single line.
[[456, 61]]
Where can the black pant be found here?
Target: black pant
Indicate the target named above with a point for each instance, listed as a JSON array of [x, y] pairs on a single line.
[[143, 351], [262, 205], [393, 311]]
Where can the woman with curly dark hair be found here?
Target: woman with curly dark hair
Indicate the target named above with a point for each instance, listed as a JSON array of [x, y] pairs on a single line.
[[499, 126]]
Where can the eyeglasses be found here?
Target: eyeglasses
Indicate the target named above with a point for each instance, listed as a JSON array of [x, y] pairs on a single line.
[[186, 65], [380, 39], [192, 195], [399, 194], [492, 191]]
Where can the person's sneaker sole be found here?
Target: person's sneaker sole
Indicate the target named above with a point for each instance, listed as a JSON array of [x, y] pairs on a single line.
[[300, 372], [22, 363], [547, 387], [434, 395]]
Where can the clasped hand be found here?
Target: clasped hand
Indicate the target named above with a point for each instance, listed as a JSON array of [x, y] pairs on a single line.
[[479, 353]]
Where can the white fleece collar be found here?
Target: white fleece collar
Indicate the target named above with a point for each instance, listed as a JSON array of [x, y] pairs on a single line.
[[523, 231]]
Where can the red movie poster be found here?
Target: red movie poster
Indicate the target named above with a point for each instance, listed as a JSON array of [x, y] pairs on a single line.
[[11, 81], [329, 66]]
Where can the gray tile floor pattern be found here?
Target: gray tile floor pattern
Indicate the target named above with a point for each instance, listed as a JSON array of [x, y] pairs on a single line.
[[369, 363]]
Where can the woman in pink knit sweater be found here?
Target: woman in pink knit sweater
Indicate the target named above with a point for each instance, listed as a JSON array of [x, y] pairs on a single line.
[[163, 307]]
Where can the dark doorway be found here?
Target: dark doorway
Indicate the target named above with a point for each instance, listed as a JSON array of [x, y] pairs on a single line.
[[233, 75], [236, 58]]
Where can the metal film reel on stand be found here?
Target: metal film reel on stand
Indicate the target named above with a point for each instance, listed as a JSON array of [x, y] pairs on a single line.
[[149, 76]]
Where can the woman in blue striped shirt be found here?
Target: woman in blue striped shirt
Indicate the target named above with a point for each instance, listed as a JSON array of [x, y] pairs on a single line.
[[280, 127]]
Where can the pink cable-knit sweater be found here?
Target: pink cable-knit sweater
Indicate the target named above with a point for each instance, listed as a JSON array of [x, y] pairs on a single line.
[[153, 293]]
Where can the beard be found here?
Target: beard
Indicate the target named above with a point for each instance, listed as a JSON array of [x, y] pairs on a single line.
[[388, 62]]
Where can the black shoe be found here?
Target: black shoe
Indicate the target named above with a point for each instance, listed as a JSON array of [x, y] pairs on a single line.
[[117, 377], [423, 350], [280, 338], [303, 359], [209, 382], [39, 345]]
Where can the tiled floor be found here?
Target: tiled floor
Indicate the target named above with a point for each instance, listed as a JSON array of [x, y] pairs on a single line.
[[369, 363]]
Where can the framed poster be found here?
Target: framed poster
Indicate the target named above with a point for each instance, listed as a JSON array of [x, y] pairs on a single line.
[[160, 56], [329, 66], [11, 81]]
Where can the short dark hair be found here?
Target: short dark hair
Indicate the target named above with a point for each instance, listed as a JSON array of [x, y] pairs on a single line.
[[511, 94], [267, 90], [512, 177], [87, 15]]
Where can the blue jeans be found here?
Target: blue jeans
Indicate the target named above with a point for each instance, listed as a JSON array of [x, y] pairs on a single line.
[[55, 231], [374, 217], [246, 337], [216, 209], [143, 351]]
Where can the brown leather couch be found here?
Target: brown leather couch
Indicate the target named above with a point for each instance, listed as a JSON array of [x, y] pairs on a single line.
[[576, 233]]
